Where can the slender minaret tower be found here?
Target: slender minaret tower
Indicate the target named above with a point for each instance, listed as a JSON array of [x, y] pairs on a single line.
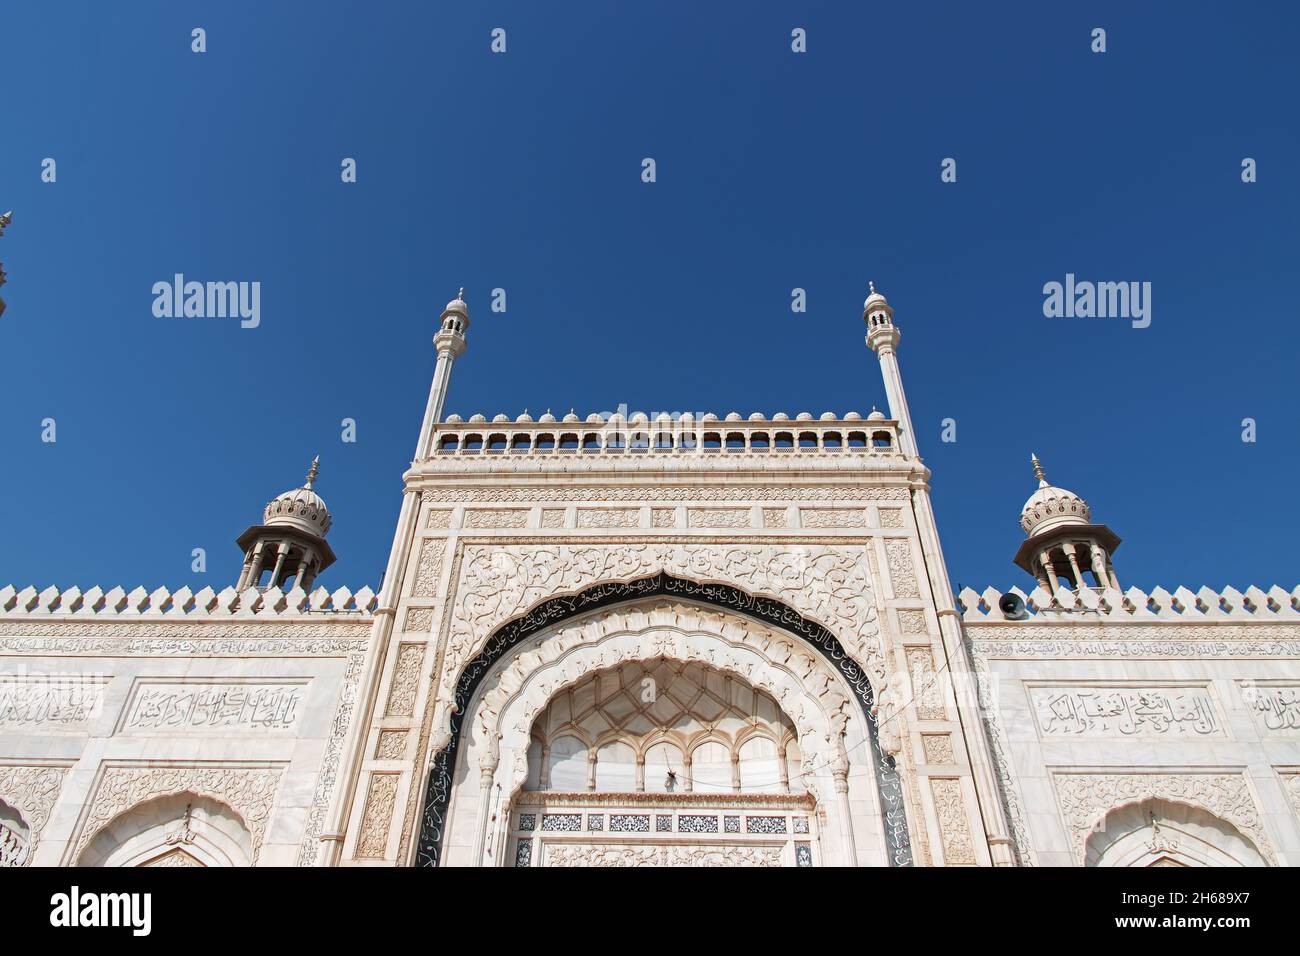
[[384, 640], [450, 343], [883, 336]]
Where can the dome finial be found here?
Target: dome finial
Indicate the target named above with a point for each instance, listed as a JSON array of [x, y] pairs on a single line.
[[1038, 470], [461, 294], [872, 286], [312, 472]]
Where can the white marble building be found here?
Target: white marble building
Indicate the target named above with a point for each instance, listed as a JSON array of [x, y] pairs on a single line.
[[669, 641]]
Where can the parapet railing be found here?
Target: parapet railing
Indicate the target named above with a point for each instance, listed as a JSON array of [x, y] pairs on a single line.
[[161, 602], [599, 435], [1201, 606]]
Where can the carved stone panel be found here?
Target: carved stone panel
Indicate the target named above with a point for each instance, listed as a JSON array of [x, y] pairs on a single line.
[[32, 791], [249, 791], [406, 680], [1132, 711], [954, 825], [52, 702], [377, 816], [617, 855], [1086, 798], [429, 568]]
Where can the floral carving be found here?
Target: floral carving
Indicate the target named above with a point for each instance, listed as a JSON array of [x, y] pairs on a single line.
[[911, 621], [954, 827], [419, 620], [497, 518], [902, 573], [776, 518], [833, 586], [609, 517], [406, 680], [663, 518], [381, 796], [718, 518], [250, 792], [938, 748], [553, 518], [1086, 798], [439, 519], [833, 518], [430, 566], [32, 791], [891, 518], [392, 745], [605, 854]]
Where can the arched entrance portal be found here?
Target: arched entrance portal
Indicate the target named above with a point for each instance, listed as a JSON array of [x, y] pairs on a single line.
[[478, 788], [661, 763]]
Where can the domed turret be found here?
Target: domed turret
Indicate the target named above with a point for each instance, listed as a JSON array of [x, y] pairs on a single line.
[[1051, 507], [1062, 541], [301, 507], [290, 543]]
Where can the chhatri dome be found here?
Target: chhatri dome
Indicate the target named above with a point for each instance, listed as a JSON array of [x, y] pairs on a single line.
[[301, 507], [1051, 507]]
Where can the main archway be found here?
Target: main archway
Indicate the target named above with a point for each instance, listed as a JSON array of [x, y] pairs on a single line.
[[501, 692]]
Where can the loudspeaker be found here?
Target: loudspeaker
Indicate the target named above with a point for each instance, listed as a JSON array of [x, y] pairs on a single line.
[[1013, 607]]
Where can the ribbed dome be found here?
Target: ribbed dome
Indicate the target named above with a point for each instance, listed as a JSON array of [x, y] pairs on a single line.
[[458, 304], [1051, 507], [301, 507]]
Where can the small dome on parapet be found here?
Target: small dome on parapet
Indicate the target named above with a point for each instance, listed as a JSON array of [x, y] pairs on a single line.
[[876, 415], [477, 418], [852, 417], [804, 417], [572, 416], [709, 417], [525, 417], [500, 417], [757, 417], [301, 507], [733, 416], [453, 419], [547, 418], [828, 416], [780, 417], [638, 418], [664, 417], [594, 418], [1051, 507]]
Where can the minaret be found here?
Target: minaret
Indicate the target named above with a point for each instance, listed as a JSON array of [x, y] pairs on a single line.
[[290, 542], [450, 343], [1061, 540], [883, 336]]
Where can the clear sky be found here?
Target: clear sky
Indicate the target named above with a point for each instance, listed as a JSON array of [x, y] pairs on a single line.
[[522, 170]]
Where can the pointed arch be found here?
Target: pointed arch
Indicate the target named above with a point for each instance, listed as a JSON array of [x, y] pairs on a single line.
[[767, 611]]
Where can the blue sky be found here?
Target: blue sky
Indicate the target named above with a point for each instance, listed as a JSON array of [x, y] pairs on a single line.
[[522, 171]]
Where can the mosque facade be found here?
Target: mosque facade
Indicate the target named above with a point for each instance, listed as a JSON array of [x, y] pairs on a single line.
[[654, 641]]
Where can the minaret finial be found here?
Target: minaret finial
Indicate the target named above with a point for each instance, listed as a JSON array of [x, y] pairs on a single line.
[[461, 294], [872, 286], [313, 472], [1038, 470]]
